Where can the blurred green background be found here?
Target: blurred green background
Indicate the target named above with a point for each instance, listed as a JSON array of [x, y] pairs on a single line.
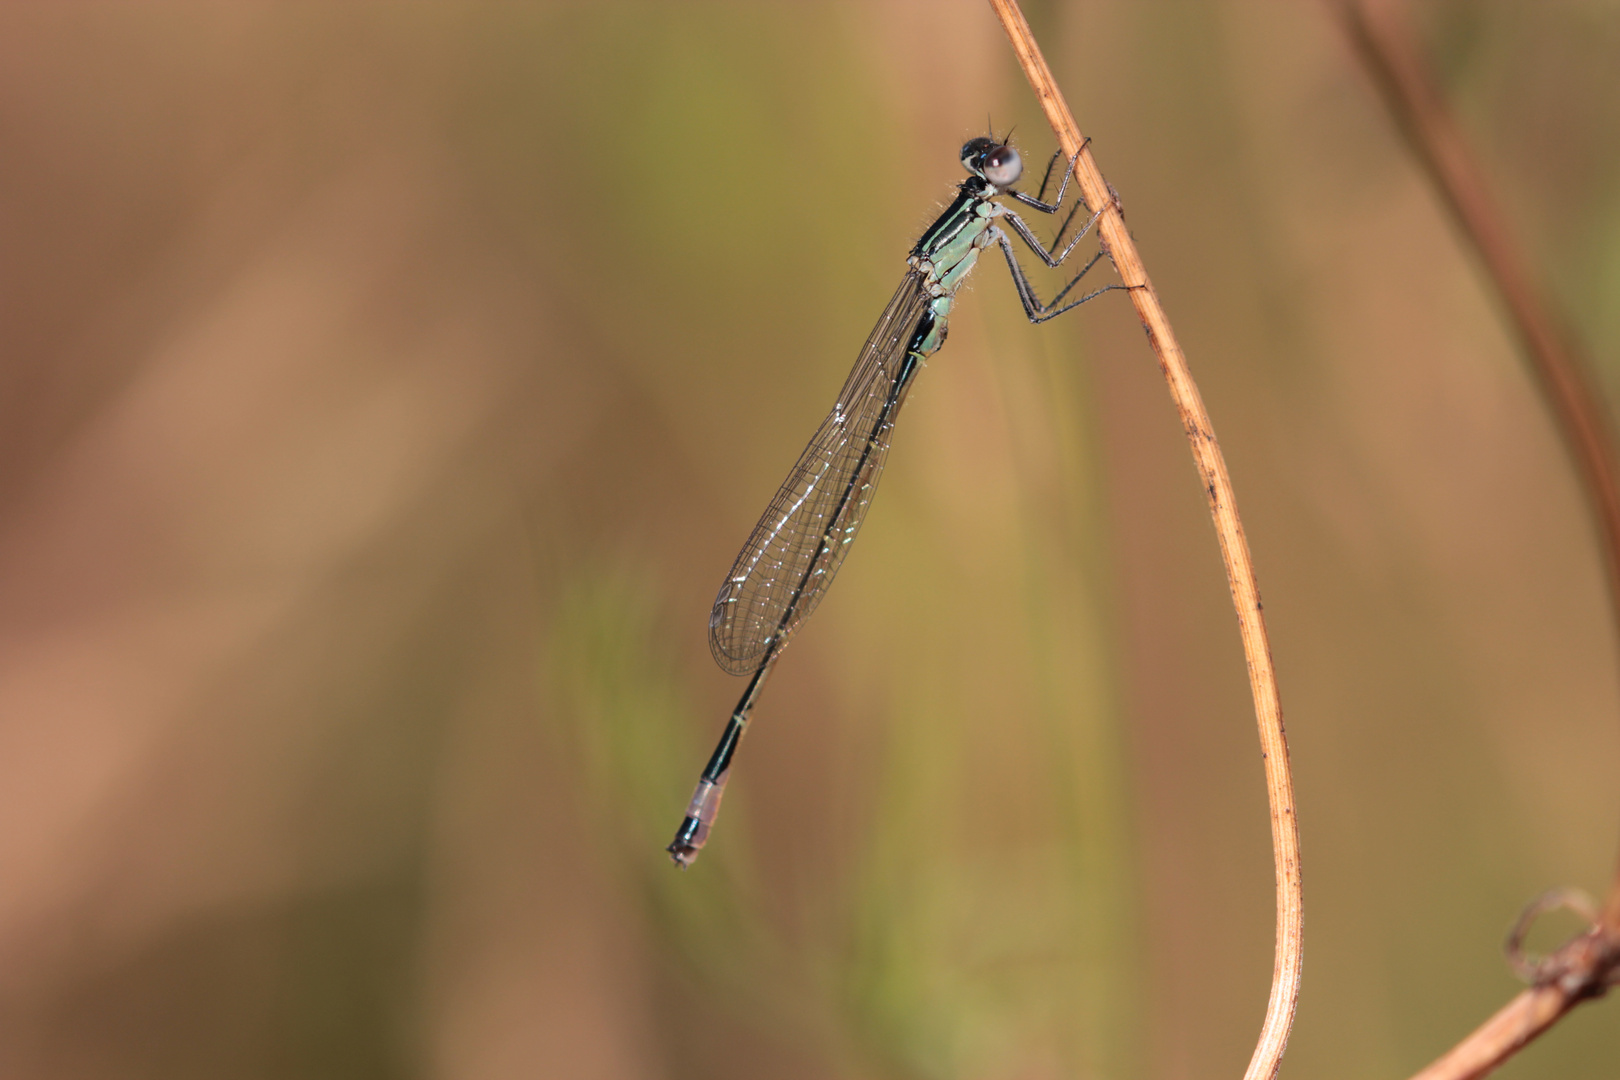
[[386, 388]]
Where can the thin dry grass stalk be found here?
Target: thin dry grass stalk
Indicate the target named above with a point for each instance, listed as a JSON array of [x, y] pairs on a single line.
[[1206, 453], [1384, 39], [1585, 967]]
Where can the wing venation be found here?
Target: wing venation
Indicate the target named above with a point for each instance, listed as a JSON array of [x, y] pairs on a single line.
[[793, 553]]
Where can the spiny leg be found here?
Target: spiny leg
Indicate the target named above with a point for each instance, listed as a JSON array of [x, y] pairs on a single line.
[[1058, 239], [1068, 174], [1028, 237], [1048, 177], [1075, 209], [1048, 207], [1037, 311]]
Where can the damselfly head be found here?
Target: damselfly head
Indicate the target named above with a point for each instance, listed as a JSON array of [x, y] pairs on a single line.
[[995, 161], [973, 152]]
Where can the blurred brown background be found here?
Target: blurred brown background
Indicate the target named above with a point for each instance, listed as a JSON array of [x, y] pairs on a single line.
[[386, 388]]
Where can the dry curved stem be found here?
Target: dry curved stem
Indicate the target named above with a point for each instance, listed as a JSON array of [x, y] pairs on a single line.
[[1384, 39], [1206, 453], [1588, 965]]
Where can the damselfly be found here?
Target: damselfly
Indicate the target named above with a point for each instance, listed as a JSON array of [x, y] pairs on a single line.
[[800, 542]]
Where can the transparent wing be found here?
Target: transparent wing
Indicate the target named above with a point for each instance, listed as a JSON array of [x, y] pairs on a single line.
[[790, 559]]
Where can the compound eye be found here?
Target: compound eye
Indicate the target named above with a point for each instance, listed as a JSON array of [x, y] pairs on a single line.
[[973, 152], [1003, 167]]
